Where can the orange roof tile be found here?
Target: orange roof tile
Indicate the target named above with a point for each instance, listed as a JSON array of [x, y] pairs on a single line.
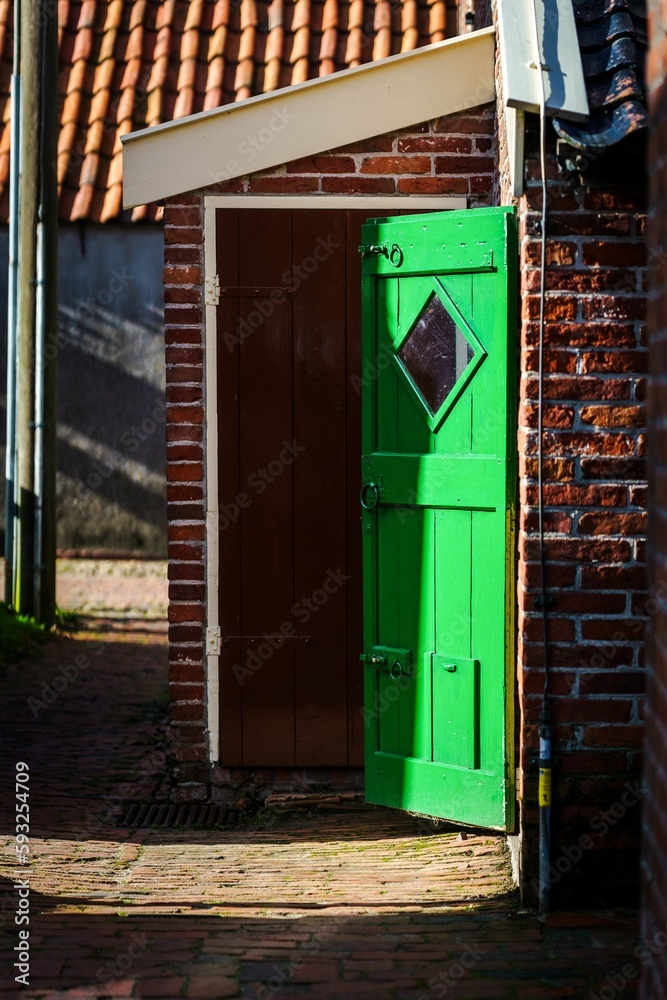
[[127, 64]]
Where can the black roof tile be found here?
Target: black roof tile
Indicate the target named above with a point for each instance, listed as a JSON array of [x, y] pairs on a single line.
[[612, 40]]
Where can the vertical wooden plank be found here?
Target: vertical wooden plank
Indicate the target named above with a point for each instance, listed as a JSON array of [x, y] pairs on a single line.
[[417, 627], [265, 477], [227, 227], [354, 221], [385, 705], [384, 394], [384, 377], [320, 503], [453, 579], [487, 629], [489, 386]]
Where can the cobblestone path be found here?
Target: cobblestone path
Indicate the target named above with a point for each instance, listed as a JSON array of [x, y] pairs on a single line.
[[338, 903]]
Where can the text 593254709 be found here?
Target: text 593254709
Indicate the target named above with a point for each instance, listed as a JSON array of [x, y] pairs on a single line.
[[22, 885]]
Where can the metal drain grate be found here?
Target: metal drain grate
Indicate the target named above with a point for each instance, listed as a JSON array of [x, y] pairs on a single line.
[[168, 816]]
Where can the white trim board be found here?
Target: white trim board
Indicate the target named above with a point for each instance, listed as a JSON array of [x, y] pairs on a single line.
[[432, 203], [308, 118], [516, 128], [211, 202], [212, 499]]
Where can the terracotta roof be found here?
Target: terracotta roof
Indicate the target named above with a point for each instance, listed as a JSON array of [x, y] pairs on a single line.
[[612, 40], [128, 64]]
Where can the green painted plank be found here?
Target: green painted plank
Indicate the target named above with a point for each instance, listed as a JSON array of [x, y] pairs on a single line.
[[438, 548], [474, 798], [440, 480]]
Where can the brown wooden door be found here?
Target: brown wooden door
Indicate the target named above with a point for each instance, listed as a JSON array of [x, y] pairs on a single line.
[[290, 536]]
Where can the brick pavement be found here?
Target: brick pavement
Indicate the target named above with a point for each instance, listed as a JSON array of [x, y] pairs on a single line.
[[358, 903]]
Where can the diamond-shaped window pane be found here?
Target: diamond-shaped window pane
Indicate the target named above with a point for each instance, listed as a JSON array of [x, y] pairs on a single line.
[[436, 353]]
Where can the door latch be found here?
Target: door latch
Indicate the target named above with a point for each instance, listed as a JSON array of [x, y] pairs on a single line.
[[389, 660], [394, 254]]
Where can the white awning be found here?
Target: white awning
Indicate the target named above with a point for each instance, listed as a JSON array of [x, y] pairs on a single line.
[[308, 118]]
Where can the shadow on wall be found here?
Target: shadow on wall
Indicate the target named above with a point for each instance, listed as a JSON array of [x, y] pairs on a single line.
[[111, 409]]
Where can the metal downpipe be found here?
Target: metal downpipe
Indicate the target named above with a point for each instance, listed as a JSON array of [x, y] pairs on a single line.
[[12, 313]]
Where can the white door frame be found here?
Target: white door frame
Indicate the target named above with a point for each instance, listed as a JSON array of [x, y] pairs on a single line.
[[378, 204]]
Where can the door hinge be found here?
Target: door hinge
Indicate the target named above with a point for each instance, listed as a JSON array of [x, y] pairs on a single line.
[[214, 641], [212, 290]]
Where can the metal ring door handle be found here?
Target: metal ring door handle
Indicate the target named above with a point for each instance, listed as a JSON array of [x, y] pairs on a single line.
[[369, 496], [396, 255]]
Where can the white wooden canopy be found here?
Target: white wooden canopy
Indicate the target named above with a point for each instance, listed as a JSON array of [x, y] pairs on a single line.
[[540, 61], [308, 118], [538, 38]]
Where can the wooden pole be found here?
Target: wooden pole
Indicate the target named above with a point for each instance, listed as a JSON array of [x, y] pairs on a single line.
[[31, 64]]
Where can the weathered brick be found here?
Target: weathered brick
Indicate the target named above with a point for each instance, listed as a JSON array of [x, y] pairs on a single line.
[[185, 472], [433, 185], [436, 144], [613, 682], [347, 184], [180, 217], [286, 185], [613, 736], [183, 393], [186, 673], [326, 163], [621, 253], [186, 612], [613, 416], [612, 523], [182, 255], [397, 165]]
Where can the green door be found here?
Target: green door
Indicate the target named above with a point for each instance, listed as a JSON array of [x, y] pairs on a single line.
[[438, 474]]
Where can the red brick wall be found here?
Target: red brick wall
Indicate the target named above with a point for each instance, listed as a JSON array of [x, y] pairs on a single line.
[[450, 156], [595, 360], [595, 495], [185, 488], [654, 917]]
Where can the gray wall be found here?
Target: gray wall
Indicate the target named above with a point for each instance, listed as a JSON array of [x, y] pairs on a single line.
[[111, 448]]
